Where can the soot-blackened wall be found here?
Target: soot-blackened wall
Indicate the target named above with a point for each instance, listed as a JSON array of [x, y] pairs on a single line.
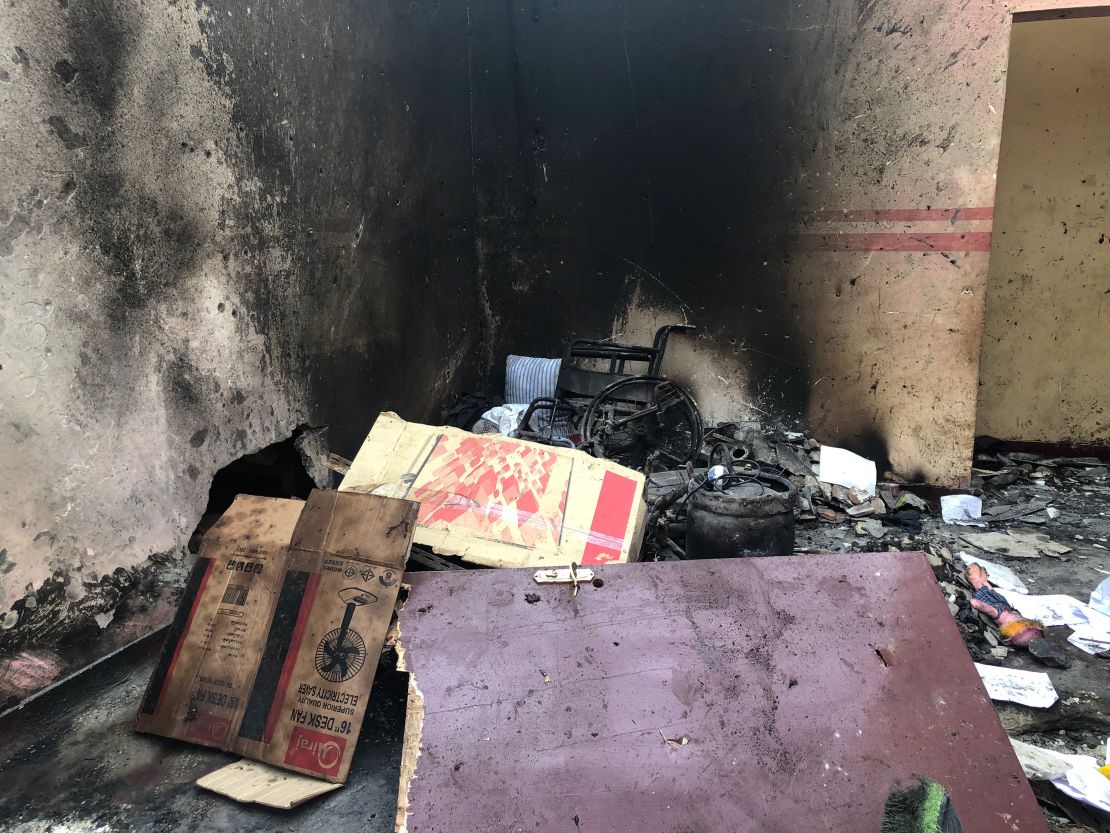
[[811, 184], [223, 221], [636, 153], [219, 222]]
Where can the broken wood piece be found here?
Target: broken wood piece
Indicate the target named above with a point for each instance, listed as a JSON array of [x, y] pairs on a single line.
[[340, 465], [432, 561], [1040, 763], [253, 782]]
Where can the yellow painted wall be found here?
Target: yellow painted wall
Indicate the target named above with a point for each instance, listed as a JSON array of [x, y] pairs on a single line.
[[1045, 366]]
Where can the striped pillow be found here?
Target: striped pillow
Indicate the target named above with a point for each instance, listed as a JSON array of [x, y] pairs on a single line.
[[528, 378]]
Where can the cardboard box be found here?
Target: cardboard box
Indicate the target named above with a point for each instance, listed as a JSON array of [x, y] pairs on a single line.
[[274, 648], [503, 502]]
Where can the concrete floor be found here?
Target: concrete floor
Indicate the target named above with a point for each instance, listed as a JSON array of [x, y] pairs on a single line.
[[71, 761]]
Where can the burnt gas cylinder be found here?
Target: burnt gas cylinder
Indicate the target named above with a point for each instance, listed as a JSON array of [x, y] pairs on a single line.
[[747, 519]]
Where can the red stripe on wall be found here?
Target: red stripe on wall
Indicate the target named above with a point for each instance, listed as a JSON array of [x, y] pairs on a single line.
[[948, 241], [614, 506], [291, 655], [184, 634], [904, 215]]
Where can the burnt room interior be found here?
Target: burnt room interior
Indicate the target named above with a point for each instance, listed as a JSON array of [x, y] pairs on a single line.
[[558, 415]]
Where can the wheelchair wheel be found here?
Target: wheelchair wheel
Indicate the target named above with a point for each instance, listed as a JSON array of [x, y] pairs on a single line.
[[643, 422]]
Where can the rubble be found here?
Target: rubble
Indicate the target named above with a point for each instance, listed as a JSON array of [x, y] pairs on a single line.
[[1045, 520], [1077, 776], [1019, 584], [1020, 502]]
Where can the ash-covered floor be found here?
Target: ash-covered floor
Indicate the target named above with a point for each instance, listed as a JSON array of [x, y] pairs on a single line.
[[1079, 490], [71, 761]]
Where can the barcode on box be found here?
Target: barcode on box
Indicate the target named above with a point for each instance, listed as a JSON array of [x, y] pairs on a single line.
[[236, 594]]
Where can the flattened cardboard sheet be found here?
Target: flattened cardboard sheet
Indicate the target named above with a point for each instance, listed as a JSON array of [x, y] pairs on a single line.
[[502, 502], [274, 648]]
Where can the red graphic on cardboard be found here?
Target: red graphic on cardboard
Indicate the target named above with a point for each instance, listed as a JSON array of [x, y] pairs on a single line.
[[208, 728], [614, 507], [315, 751], [494, 487]]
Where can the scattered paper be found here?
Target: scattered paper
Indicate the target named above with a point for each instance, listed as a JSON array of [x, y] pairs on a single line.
[[1086, 784], [1100, 598], [1016, 544], [1057, 610], [1001, 576], [1090, 639], [961, 509], [1074, 775], [843, 468], [1029, 688], [1040, 764]]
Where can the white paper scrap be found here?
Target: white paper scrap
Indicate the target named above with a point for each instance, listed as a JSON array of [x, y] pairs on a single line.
[[1074, 775], [1029, 688], [1090, 639], [843, 468], [1086, 784], [1056, 610], [961, 509], [1100, 598], [506, 417], [1040, 764], [1001, 576]]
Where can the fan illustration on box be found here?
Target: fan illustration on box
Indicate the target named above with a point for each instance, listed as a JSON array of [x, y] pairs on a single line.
[[342, 652]]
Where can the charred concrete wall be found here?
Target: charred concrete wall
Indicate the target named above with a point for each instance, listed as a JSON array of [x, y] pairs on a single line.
[[1045, 367], [218, 223], [221, 222], [811, 184]]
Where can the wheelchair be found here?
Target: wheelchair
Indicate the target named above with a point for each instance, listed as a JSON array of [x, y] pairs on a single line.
[[641, 420]]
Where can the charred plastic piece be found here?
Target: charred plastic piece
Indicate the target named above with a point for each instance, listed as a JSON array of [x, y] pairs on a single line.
[[754, 517]]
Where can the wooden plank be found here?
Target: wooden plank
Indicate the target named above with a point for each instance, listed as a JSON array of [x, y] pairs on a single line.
[[772, 694]]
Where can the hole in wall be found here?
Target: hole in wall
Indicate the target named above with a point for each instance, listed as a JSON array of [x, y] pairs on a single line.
[[274, 471]]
